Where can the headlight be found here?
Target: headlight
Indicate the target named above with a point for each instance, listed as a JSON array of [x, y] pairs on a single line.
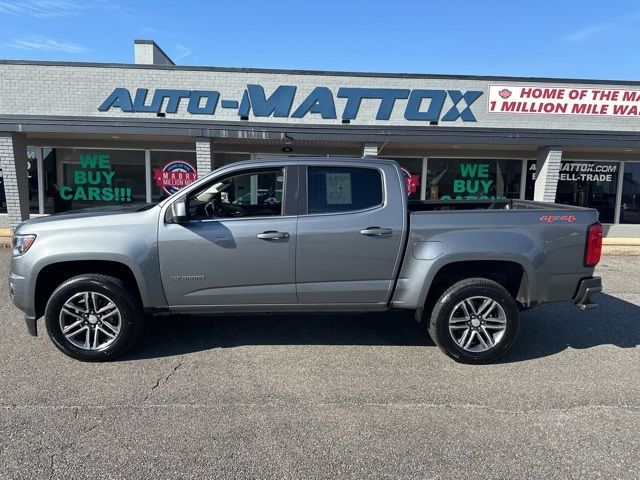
[[22, 243]]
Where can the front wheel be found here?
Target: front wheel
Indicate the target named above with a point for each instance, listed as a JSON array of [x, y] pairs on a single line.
[[476, 320], [93, 317]]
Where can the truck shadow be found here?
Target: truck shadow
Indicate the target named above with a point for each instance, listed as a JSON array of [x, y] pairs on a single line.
[[545, 331], [552, 328], [177, 335]]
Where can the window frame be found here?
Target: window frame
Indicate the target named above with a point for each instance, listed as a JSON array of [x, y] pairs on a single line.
[[303, 196]]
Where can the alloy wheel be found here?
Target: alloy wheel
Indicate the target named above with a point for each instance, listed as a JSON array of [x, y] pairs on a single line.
[[90, 320], [477, 324]]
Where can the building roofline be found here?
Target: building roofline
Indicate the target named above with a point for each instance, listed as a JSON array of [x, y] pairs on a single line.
[[424, 76]]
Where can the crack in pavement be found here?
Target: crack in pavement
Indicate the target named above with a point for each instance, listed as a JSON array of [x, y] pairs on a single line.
[[51, 467], [166, 379]]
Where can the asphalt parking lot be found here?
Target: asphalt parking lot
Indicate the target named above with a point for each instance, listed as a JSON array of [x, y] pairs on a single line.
[[357, 396]]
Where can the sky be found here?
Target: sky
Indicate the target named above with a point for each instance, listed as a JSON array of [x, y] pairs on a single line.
[[562, 38]]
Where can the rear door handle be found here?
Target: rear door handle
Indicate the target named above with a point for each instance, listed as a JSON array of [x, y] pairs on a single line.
[[272, 235], [376, 231]]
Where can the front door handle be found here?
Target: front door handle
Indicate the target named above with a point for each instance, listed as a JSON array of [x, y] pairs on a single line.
[[272, 235], [376, 231]]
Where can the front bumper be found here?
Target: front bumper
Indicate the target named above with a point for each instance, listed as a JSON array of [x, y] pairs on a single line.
[[32, 325], [18, 290], [586, 288]]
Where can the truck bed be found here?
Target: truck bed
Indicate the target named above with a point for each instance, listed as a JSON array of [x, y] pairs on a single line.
[[546, 239], [503, 204]]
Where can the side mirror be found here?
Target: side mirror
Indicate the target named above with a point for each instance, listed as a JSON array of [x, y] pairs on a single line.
[[179, 211]]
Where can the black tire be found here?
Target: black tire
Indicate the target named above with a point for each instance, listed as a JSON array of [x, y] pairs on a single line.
[[111, 288], [451, 298]]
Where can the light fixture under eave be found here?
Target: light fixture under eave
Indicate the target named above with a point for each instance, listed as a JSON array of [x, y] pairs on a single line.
[[287, 149]]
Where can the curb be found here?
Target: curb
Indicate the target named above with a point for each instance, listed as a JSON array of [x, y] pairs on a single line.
[[623, 242], [621, 246], [621, 250]]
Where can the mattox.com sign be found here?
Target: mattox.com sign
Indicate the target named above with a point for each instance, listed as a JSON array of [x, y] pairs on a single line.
[[564, 100]]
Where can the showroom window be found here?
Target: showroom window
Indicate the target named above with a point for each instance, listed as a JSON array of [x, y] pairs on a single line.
[[413, 168], [589, 184], [170, 171], [61, 179], [82, 178], [32, 179], [584, 184], [530, 185], [630, 204], [471, 179], [32, 182]]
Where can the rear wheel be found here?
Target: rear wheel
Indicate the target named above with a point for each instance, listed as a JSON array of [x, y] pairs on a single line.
[[93, 317], [476, 320]]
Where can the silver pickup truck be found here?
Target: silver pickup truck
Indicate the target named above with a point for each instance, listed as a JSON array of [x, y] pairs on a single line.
[[303, 235]]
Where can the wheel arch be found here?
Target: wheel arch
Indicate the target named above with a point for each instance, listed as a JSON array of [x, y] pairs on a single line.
[[512, 274], [508, 273], [51, 275]]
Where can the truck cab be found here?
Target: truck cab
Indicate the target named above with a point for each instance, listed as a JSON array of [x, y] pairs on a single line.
[[314, 235]]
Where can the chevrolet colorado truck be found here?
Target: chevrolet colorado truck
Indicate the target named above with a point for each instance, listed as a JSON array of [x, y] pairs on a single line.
[[303, 235]]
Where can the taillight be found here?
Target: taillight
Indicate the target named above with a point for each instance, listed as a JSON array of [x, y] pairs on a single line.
[[593, 249]]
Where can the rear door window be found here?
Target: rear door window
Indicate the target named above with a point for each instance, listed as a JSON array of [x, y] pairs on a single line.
[[343, 189]]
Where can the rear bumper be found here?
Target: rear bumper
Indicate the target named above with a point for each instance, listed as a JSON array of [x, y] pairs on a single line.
[[586, 288]]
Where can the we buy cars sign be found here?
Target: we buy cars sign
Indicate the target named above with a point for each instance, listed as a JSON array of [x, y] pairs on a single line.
[[564, 100]]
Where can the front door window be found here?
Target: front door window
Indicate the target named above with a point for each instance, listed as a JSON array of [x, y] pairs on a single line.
[[251, 194]]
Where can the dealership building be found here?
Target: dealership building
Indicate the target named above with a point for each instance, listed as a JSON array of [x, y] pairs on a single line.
[[77, 135]]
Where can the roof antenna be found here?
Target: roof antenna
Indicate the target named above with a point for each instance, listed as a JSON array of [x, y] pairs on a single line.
[[383, 145]]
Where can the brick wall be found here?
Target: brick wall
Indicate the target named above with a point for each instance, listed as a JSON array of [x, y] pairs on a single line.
[[204, 156], [79, 90], [13, 161]]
